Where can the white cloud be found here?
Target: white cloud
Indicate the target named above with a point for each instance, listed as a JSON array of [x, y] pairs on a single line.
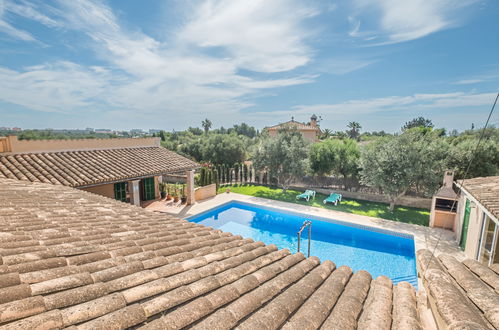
[[260, 35], [152, 77], [477, 79], [339, 66], [385, 104], [25, 10], [61, 87], [409, 19], [30, 11], [14, 32]]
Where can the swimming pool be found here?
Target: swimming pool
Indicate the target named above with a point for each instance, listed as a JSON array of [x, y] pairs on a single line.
[[380, 252]]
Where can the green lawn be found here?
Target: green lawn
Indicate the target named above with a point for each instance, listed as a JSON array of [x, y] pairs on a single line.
[[373, 209]]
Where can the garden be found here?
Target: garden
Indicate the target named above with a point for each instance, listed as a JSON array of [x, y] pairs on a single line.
[[361, 207]]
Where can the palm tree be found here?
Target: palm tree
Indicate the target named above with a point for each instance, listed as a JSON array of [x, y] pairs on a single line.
[[354, 131], [326, 133], [206, 125]]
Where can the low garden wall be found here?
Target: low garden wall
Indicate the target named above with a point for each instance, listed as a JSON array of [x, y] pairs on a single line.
[[208, 191], [410, 201]]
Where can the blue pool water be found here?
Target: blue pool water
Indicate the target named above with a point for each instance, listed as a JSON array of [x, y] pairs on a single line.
[[377, 251]]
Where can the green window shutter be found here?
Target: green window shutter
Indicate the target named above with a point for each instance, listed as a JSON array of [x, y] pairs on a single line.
[[120, 191], [466, 221], [149, 191]]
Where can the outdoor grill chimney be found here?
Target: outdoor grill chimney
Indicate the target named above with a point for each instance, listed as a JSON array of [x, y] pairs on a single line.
[[448, 178]]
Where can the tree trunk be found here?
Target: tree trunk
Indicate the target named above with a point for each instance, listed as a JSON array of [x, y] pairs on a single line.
[[393, 199], [392, 204]]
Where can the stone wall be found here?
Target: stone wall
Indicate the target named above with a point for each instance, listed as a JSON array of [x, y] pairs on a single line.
[[205, 192]]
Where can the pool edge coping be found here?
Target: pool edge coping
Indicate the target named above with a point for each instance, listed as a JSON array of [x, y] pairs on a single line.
[[313, 217]]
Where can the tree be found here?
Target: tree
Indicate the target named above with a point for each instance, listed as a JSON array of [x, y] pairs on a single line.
[[483, 162], [354, 131], [206, 125], [193, 148], [418, 122], [335, 156], [195, 130], [322, 157], [243, 129], [283, 156], [162, 135], [223, 149], [396, 164], [326, 133], [348, 159]]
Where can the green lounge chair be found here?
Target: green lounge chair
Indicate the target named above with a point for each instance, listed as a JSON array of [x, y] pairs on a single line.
[[333, 198], [306, 195]]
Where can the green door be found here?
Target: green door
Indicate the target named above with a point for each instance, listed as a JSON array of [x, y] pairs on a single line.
[[120, 191], [466, 221], [148, 189]]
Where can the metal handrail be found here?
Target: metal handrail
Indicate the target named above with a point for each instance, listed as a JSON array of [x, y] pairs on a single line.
[[306, 223]]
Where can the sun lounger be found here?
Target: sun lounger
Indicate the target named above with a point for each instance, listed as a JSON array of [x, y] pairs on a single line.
[[333, 198], [306, 195]]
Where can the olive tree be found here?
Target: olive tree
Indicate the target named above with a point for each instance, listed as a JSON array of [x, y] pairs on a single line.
[[410, 160], [284, 157]]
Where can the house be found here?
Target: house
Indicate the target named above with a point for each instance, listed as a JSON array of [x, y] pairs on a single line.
[[477, 225], [472, 214], [69, 258], [128, 170], [310, 131]]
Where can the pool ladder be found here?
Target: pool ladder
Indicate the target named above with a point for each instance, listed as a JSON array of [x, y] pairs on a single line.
[[306, 223]]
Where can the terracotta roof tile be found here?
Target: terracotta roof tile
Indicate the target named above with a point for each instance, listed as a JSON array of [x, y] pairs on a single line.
[[459, 297], [349, 306], [292, 123], [485, 190], [88, 167], [92, 263]]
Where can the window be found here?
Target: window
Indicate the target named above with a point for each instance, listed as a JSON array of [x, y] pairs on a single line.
[[120, 189], [488, 242], [147, 187]]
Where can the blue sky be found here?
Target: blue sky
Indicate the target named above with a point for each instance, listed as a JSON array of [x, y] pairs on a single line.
[[169, 64]]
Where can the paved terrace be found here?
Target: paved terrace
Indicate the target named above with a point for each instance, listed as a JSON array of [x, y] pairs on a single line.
[[69, 258]]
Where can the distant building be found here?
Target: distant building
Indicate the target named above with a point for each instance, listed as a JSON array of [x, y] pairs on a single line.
[[137, 131], [17, 129], [103, 131], [154, 131], [310, 131]]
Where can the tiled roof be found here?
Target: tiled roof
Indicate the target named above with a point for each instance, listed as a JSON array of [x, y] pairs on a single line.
[[298, 125], [465, 295], [72, 258], [485, 190], [87, 167]]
